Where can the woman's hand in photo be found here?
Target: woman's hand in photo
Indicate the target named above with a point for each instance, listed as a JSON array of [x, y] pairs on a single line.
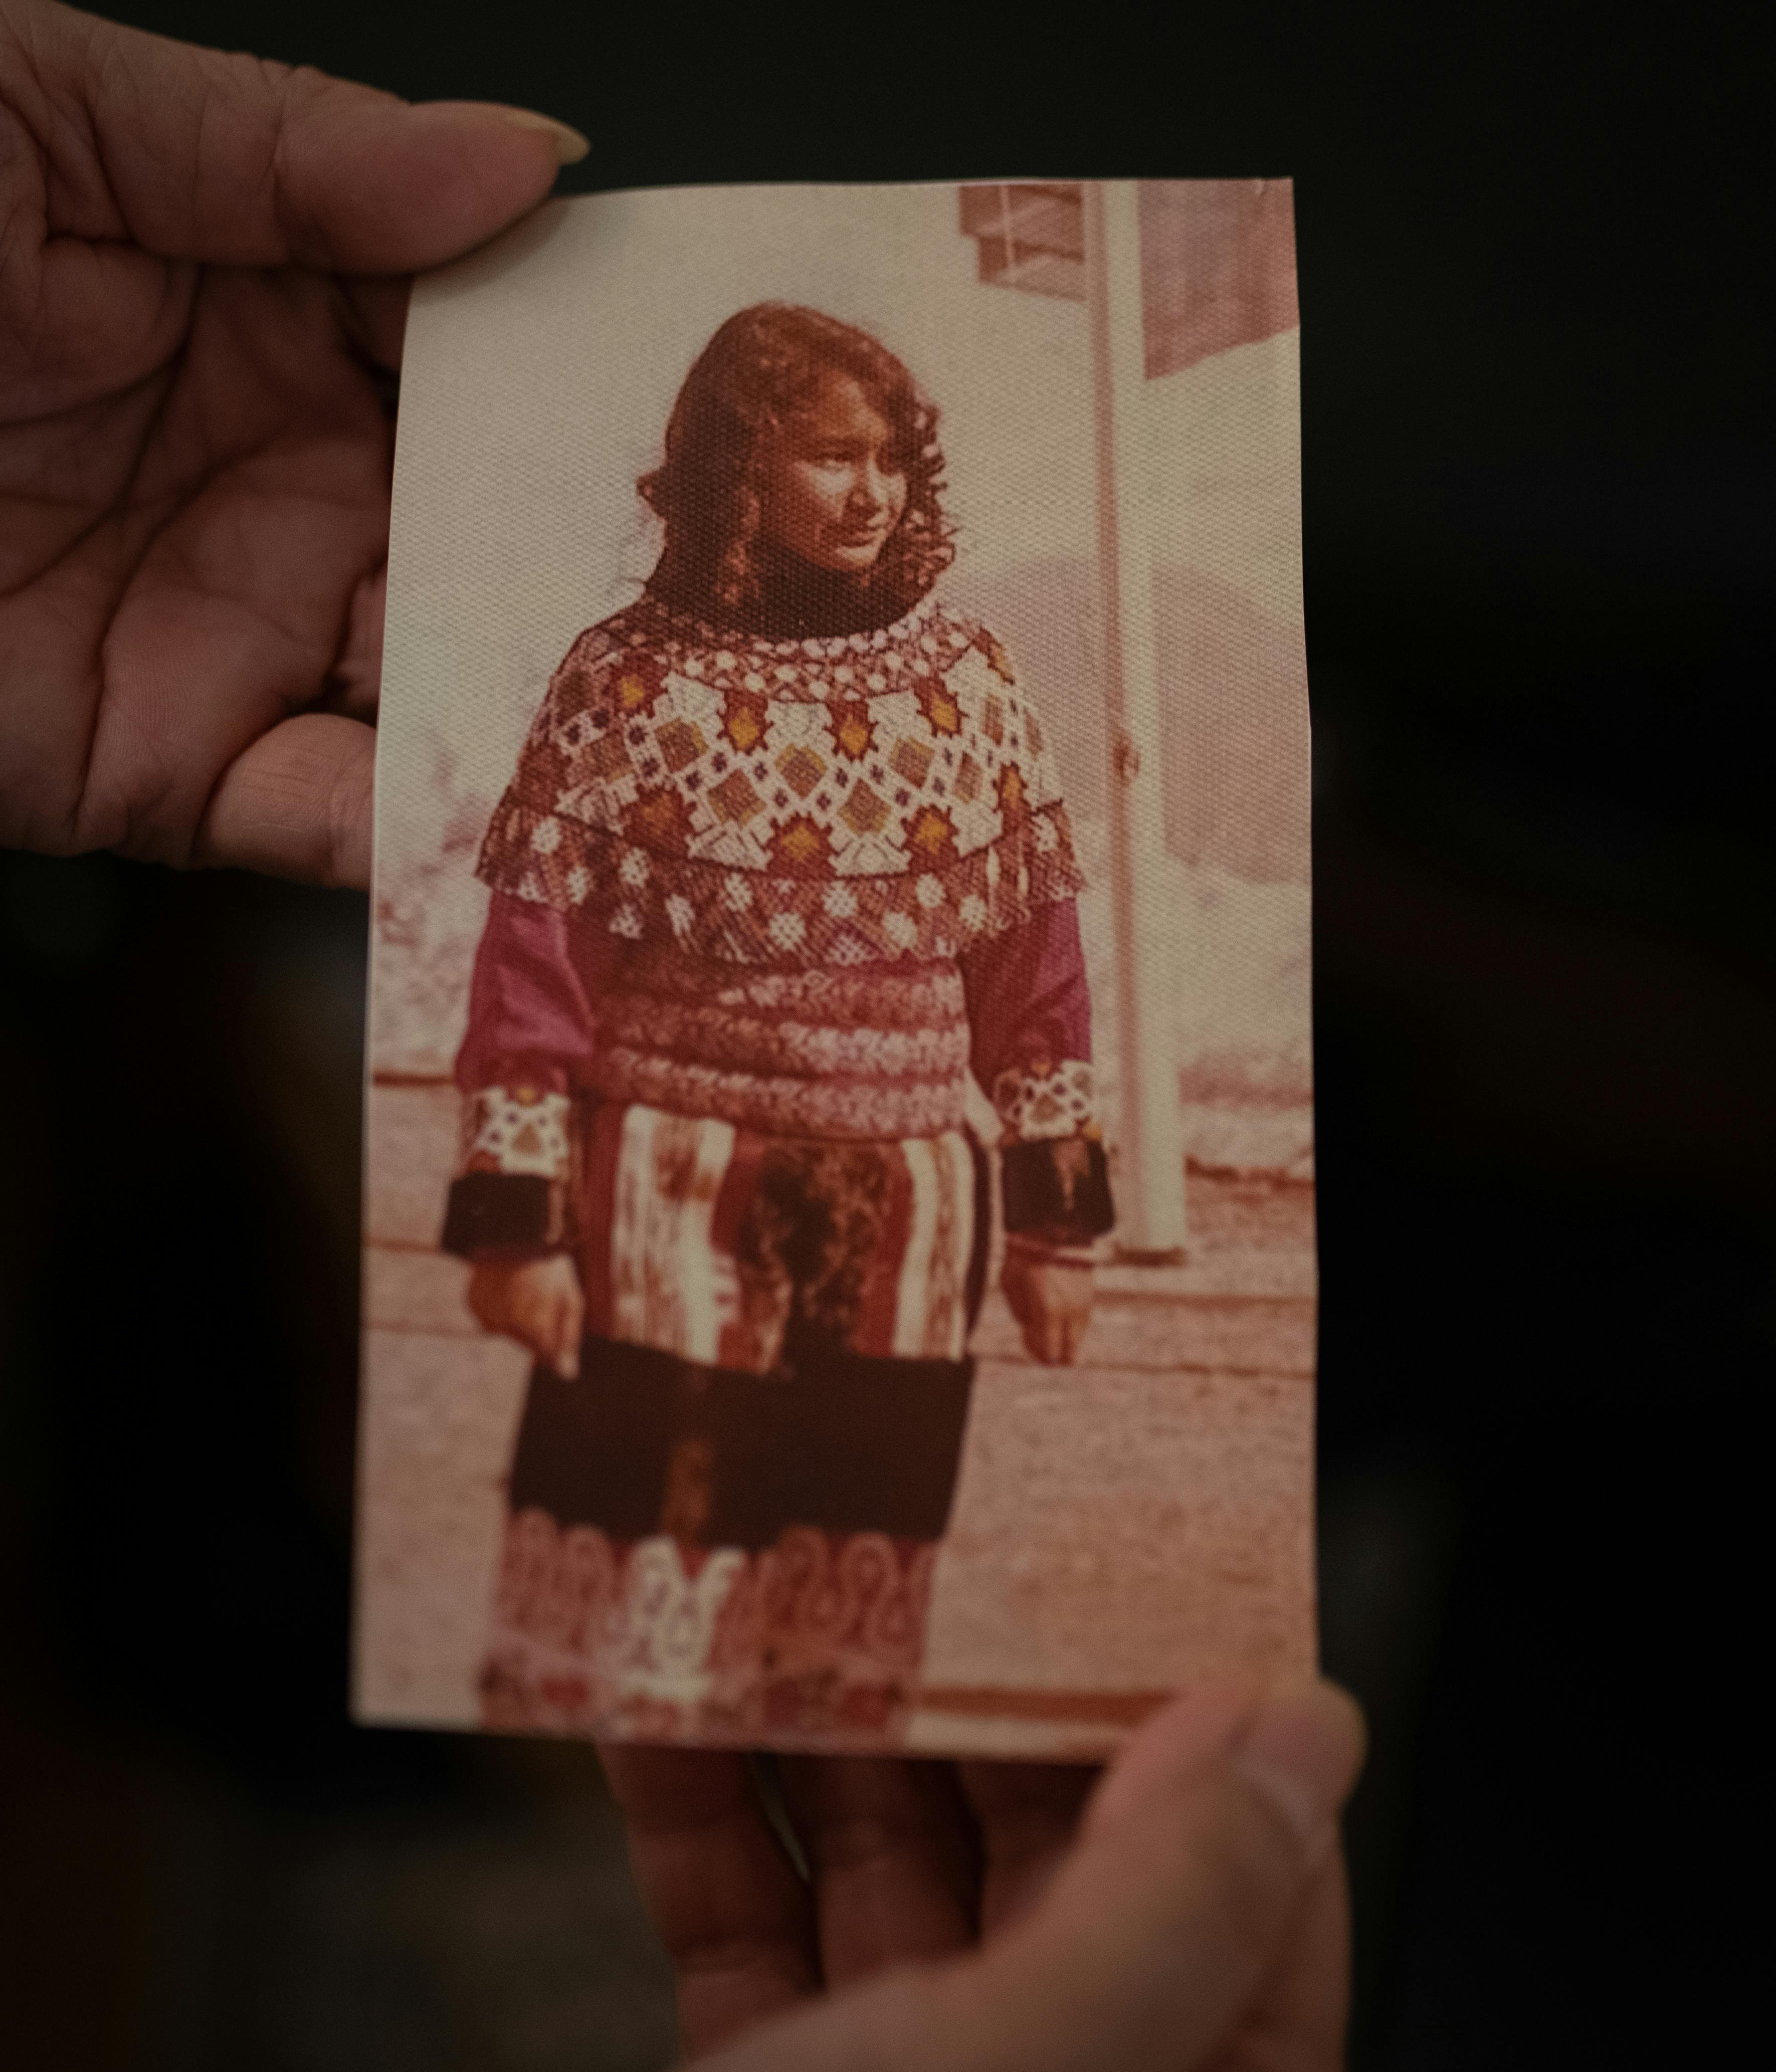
[[1051, 1299], [970, 1917], [538, 1302], [203, 293]]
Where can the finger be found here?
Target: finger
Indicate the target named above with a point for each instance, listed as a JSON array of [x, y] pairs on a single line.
[[194, 154], [483, 1306], [532, 1318], [1158, 1932], [1009, 1288], [550, 1333], [724, 1899], [890, 1849], [296, 803], [355, 680], [1027, 1814], [568, 1310]]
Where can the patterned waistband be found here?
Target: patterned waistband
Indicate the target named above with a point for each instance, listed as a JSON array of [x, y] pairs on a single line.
[[818, 1053], [927, 995], [782, 1105]]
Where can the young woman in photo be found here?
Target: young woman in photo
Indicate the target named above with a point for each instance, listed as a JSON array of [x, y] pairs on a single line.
[[783, 862]]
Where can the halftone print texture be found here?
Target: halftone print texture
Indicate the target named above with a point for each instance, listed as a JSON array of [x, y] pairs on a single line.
[[839, 1212]]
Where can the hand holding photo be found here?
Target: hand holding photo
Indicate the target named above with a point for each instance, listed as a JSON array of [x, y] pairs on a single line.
[[795, 1022]]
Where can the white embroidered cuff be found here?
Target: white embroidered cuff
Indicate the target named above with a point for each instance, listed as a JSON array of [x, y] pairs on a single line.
[[518, 1130], [1044, 1101]]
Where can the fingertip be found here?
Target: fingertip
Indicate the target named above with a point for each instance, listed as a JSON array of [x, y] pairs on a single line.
[[1302, 1750], [566, 142], [440, 180], [1196, 1728], [1300, 1744]]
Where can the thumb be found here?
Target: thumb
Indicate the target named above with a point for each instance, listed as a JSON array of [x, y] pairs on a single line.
[[1194, 1858], [1157, 1933], [190, 153]]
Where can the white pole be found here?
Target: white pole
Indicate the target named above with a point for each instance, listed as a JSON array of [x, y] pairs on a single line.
[[1150, 1222]]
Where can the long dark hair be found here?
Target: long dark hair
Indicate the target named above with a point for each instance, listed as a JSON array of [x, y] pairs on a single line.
[[763, 364]]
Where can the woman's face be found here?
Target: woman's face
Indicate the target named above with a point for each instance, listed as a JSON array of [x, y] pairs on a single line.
[[835, 490]]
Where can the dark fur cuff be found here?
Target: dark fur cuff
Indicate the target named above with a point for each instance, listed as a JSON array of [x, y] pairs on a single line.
[[1058, 1190], [504, 1214]]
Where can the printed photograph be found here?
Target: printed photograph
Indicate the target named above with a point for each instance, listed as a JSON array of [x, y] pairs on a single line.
[[839, 1210]]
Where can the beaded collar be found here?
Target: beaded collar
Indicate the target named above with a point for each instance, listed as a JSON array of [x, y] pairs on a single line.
[[829, 800]]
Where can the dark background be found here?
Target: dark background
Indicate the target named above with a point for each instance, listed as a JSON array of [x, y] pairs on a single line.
[[1537, 546]]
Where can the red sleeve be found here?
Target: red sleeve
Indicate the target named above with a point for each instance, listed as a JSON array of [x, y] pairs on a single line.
[[1031, 1017], [530, 1000], [524, 1060], [1030, 1012]]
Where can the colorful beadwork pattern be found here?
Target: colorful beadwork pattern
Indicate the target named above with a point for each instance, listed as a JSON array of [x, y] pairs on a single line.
[[833, 802]]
